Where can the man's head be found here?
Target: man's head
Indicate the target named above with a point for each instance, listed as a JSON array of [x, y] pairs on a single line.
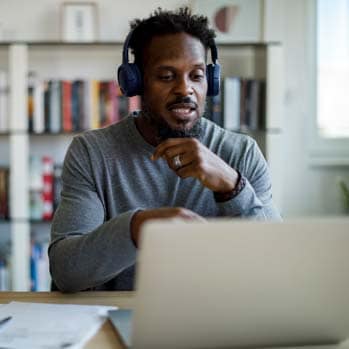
[[170, 49]]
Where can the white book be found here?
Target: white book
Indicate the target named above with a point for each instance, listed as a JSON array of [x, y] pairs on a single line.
[[55, 107], [231, 107], [39, 113], [4, 119]]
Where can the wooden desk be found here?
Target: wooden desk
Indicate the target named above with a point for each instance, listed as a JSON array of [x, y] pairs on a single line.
[[106, 338]]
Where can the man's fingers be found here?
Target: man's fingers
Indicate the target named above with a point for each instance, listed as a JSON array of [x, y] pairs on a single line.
[[188, 214], [183, 160], [166, 145]]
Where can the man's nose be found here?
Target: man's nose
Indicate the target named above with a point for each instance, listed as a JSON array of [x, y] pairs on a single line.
[[184, 86]]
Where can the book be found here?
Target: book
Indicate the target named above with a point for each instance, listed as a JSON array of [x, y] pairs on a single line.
[[4, 276], [55, 124], [88, 105], [123, 103], [95, 104], [213, 110], [114, 100], [104, 104], [39, 268], [35, 188], [4, 193], [39, 112], [4, 118], [231, 103], [47, 105], [77, 105], [67, 124], [30, 100], [243, 105], [47, 192]]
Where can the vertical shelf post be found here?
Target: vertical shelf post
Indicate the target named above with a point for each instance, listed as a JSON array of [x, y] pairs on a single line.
[[19, 168]]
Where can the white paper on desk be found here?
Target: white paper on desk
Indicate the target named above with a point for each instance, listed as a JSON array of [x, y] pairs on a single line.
[[50, 326]]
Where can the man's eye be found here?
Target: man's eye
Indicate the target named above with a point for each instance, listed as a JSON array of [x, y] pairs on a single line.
[[166, 77], [198, 76]]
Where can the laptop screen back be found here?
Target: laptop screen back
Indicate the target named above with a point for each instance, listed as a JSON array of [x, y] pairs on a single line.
[[226, 284]]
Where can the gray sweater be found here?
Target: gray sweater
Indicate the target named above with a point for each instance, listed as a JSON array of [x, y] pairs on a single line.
[[108, 176]]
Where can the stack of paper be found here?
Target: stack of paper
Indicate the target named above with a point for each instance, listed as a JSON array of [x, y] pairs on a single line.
[[39, 325]]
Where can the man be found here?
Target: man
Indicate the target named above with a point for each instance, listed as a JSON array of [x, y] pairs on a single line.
[[165, 162]]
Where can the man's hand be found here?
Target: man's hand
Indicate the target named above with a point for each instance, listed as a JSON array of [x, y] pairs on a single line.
[[197, 161], [140, 217]]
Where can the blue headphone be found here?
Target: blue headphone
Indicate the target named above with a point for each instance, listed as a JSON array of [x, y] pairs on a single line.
[[131, 82]]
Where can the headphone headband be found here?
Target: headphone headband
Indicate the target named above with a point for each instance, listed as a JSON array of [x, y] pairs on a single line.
[[214, 53]]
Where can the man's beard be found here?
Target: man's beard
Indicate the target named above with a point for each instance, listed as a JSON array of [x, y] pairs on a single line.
[[165, 131]]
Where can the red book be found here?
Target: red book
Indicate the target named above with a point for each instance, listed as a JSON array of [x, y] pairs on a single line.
[[66, 106], [47, 192]]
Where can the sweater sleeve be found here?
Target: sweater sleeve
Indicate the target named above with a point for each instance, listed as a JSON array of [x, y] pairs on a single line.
[[80, 235], [255, 200]]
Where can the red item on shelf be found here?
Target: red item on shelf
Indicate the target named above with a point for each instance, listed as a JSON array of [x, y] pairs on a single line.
[[47, 192]]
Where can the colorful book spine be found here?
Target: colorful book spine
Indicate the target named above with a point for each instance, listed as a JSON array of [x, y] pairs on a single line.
[[114, 102], [47, 192], [95, 104], [47, 105], [39, 268], [67, 106], [56, 106], [4, 193], [104, 104]]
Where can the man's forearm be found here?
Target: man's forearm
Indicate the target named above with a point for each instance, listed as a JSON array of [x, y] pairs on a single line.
[[82, 261]]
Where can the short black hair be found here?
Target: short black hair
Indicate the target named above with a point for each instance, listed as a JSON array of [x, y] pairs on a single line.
[[163, 22]]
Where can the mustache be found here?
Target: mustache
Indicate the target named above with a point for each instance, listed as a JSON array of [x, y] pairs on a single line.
[[182, 100]]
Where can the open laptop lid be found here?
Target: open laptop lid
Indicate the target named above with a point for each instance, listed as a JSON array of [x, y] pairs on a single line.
[[228, 284]]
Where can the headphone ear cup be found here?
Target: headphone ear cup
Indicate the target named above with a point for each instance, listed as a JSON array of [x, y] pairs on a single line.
[[130, 79], [213, 75]]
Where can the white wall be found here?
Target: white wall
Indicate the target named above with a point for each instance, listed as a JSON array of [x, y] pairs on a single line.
[[308, 190], [40, 19]]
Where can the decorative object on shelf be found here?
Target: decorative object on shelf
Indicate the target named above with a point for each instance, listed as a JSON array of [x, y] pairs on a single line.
[[233, 20], [79, 21]]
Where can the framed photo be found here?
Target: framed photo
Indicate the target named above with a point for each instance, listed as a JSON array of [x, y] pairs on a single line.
[[79, 21], [233, 20]]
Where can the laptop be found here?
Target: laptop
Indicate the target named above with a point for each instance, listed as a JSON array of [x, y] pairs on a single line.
[[237, 284]]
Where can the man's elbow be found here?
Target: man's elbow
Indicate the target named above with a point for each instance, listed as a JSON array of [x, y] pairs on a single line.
[[63, 279]]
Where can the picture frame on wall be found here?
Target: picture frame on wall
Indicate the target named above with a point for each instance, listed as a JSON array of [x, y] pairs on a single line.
[[79, 21], [233, 20]]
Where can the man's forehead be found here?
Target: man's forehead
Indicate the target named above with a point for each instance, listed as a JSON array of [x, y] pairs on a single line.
[[172, 47]]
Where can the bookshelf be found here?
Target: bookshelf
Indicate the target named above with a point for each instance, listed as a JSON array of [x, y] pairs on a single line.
[[99, 60]]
